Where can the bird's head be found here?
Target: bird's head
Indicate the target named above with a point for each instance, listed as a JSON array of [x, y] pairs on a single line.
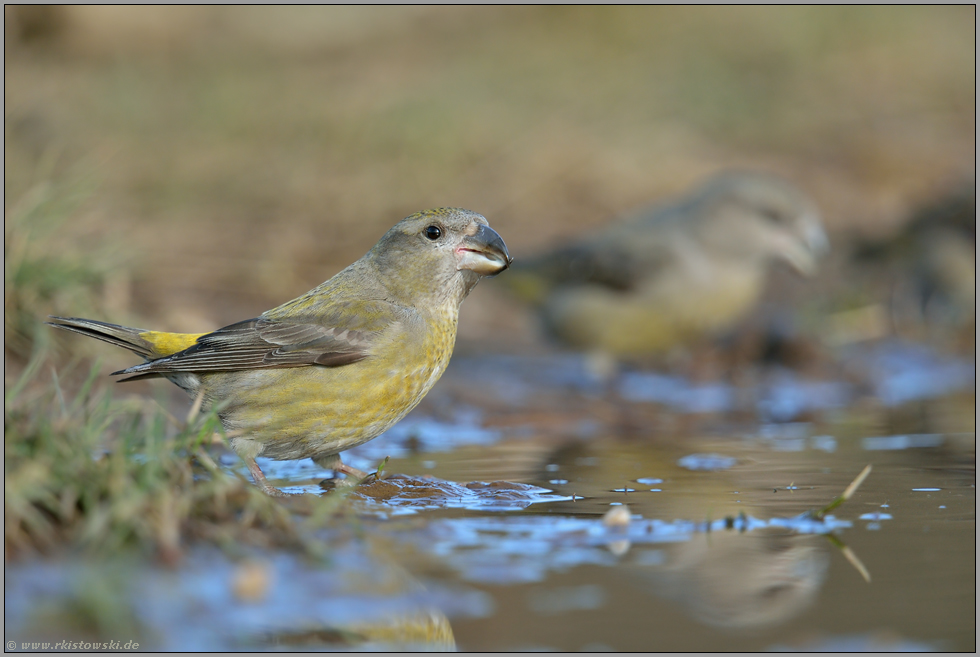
[[445, 251], [764, 216]]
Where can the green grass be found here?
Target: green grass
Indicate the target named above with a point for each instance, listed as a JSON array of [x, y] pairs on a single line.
[[45, 269], [103, 476]]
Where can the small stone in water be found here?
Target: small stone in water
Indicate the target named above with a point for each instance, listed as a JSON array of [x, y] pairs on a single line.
[[251, 580], [618, 516]]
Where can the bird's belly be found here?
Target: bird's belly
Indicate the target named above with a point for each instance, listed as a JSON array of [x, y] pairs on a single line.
[[309, 411], [650, 320]]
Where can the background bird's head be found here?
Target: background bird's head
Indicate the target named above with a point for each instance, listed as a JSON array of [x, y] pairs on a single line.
[[760, 216], [442, 252]]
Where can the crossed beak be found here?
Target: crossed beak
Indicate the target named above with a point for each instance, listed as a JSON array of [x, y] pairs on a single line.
[[483, 252]]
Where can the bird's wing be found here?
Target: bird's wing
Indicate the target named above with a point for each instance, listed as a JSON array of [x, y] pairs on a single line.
[[614, 264], [265, 342]]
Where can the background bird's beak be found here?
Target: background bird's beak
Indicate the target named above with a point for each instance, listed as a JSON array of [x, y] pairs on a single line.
[[804, 255], [484, 252]]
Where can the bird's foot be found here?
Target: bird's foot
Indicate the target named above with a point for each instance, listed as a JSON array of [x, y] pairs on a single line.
[[272, 491], [261, 481], [333, 462]]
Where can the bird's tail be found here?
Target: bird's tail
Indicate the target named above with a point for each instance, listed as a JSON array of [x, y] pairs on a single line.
[[148, 344]]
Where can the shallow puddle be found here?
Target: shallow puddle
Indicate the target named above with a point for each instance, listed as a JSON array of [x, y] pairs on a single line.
[[550, 510], [357, 599]]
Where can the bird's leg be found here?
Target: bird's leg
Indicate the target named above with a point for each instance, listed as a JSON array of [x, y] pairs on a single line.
[[348, 470], [334, 463], [260, 479]]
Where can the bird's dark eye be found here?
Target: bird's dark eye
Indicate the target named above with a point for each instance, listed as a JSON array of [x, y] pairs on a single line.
[[433, 232]]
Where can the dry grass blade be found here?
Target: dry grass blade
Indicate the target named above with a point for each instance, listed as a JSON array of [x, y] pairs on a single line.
[[851, 557], [195, 408], [846, 495]]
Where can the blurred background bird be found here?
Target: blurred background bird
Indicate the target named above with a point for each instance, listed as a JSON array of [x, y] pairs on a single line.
[[339, 365], [672, 274], [926, 271]]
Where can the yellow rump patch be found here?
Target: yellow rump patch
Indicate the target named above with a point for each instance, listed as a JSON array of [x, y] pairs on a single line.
[[165, 344]]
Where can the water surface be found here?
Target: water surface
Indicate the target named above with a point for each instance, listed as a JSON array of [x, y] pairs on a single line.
[[531, 506]]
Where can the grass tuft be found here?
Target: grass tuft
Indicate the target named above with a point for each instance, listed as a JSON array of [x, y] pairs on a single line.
[[102, 475]]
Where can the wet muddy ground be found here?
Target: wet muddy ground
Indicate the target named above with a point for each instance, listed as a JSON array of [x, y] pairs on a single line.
[[574, 521]]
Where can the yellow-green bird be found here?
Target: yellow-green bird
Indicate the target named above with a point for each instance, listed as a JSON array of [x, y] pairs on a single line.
[[339, 365], [672, 274]]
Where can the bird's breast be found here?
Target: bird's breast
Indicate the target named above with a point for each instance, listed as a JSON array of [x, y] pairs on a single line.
[[305, 411]]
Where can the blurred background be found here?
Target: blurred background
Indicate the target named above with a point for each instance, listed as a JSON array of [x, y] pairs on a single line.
[[181, 168]]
